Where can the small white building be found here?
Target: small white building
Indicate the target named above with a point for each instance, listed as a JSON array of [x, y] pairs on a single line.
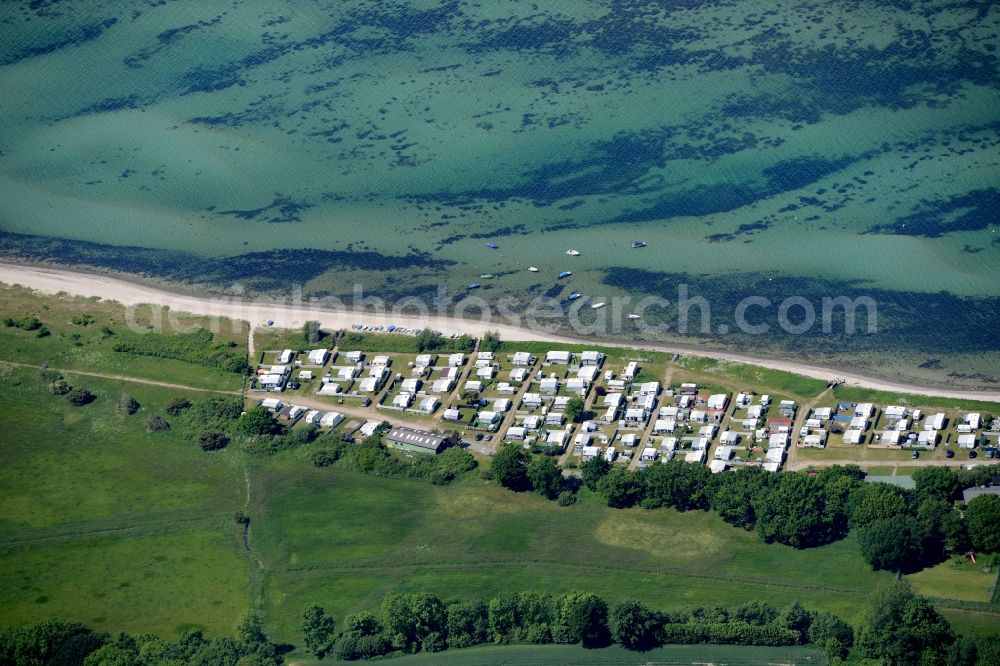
[[890, 438], [697, 456], [452, 414], [403, 400], [718, 401], [369, 428], [426, 360], [590, 452], [864, 410], [428, 405], [588, 373], [559, 357], [312, 417], [895, 412], [854, 436], [442, 385], [353, 356], [533, 422], [329, 388], [549, 386], [631, 370], [816, 440], [724, 453], [318, 356], [967, 441], [698, 416], [503, 388], [778, 440], [935, 422], [331, 420], [662, 426], [272, 404], [305, 375], [370, 385], [473, 385], [927, 438], [730, 438], [557, 439], [523, 359], [531, 401], [411, 385], [973, 420], [822, 413], [593, 358], [489, 372], [555, 418], [515, 434], [717, 466], [577, 386], [610, 454], [286, 356], [858, 423], [344, 372], [518, 375], [649, 454], [501, 405], [456, 360], [486, 419]]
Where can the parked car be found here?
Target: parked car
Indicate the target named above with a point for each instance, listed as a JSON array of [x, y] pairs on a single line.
[[295, 386], [972, 454], [949, 453], [915, 454]]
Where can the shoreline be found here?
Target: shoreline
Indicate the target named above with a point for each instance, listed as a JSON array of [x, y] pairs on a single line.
[[52, 280]]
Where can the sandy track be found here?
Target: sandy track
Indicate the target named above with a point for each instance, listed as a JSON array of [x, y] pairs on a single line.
[[54, 280]]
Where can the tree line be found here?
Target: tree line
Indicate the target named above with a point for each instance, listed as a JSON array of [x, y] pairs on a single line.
[[897, 529], [74, 644]]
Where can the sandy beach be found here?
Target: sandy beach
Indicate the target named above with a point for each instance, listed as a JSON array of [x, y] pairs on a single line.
[[53, 280]]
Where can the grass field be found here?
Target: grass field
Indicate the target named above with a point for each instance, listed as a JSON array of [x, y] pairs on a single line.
[[80, 346], [856, 394], [344, 540], [105, 523]]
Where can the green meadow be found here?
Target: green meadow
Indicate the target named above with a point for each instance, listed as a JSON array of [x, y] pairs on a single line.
[[123, 529]]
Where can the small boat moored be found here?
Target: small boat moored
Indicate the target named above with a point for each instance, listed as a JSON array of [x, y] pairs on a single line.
[[493, 246], [633, 316], [532, 269], [474, 285], [595, 306], [573, 253], [565, 274], [487, 276], [575, 295], [638, 244]]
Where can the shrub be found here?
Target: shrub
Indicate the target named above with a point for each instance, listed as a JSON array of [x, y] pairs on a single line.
[[178, 405], [325, 457], [156, 423], [566, 498], [212, 440], [80, 397], [59, 387], [128, 405]]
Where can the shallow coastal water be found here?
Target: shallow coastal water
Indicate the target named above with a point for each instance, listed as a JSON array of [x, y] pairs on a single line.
[[836, 148]]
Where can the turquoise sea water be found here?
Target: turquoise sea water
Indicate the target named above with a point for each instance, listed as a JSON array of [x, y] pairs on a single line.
[[835, 148]]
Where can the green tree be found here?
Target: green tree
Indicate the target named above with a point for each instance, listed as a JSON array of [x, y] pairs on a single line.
[[491, 341], [311, 332], [128, 405], [80, 397], [900, 627], [676, 484], [876, 501], [831, 633], [795, 512], [942, 529], [756, 612], [468, 624], [935, 482], [983, 519], [798, 619], [635, 626], [428, 340], [317, 630], [621, 488], [893, 544], [574, 408], [415, 621], [250, 628], [545, 476], [585, 617], [593, 470], [510, 467], [259, 422], [734, 493]]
